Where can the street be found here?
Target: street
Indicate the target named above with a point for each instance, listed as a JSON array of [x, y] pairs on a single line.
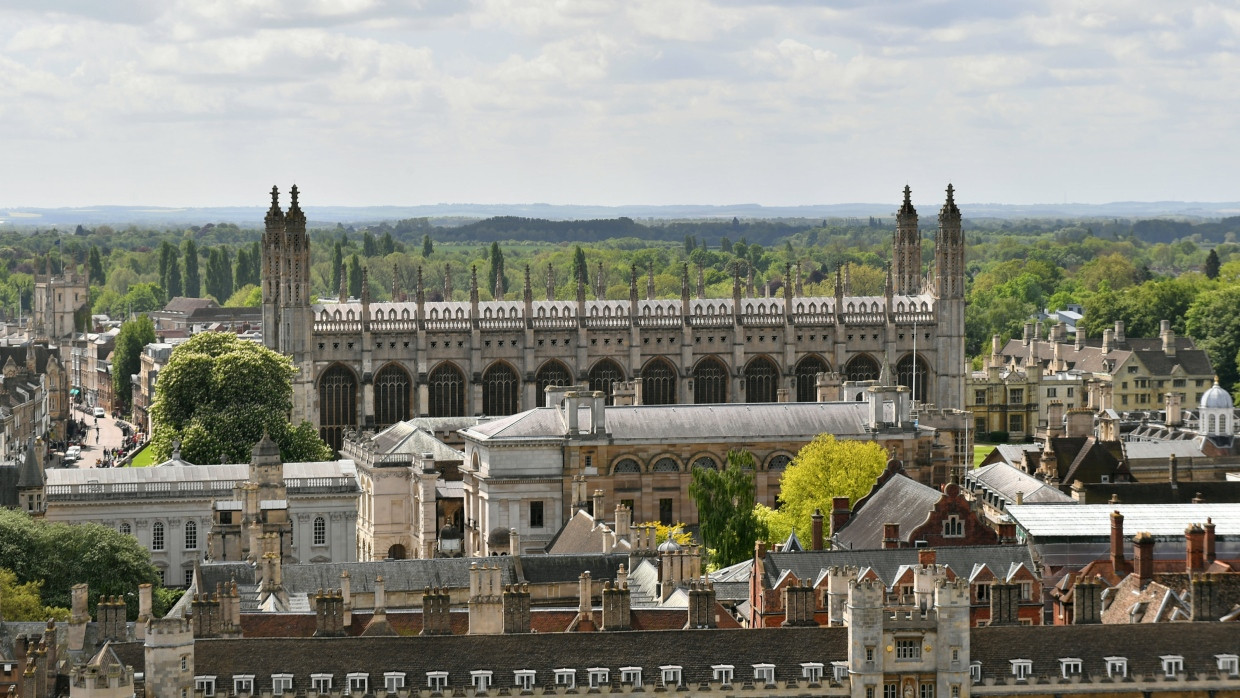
[[107, 436]]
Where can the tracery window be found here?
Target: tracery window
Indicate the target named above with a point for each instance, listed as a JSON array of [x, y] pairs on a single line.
[[393, 395], [446, 391]]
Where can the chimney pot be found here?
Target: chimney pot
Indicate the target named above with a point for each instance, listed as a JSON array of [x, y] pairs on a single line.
[[816, 542], [1118, 563]]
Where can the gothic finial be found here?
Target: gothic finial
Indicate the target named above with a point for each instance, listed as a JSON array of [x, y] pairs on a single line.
[[275, 196], [293, 194], [949, 210], [473, 278], [365, 285], [420, 289], [907, 208], [527, 279], [650, 282], [701, 282], [550, 282]]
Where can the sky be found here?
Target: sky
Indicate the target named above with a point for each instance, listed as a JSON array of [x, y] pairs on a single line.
[[374, 102]]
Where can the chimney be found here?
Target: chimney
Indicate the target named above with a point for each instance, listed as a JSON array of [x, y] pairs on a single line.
[[891, 536], [624, 522], [112, 619], [1203, 598], [435, 612], [1108, 341], [1080, 338], [570, 404], [78, 618], [599, 412], [926, 557], [1168, 338], [486, 603], [1195, 548], [1007, 533], [759, 550], [516, 609], [1004, 603], [816, 535], [1173, 471], [1118, 563], [514, 542], [1143, 557], [346, 599], [1208, 541], [1174, 415], [1086, 602], [596, 508], [701, 605], [840, 513], [1119, 332], [585, 601], [1054, 419], [616, 606], [799, 605], [1027, 336], [145, 606], [328, 614]]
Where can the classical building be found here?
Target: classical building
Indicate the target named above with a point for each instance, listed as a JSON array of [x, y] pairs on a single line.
[[368, 365], [175, 508], [528, 472]]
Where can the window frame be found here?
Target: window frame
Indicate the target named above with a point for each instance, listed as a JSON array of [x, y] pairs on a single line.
[[240, 681], [158, 541], [480, 679], [1114, 664], [281, 684], [631, 675], [925, 689], [671, 670], [566, 678], [723, 673], [353, 677], [598, 676], [190, 534], [975, 671], [319, 529], [1172, 665], [812, 671], [908, 649], [321, 683], [1021, 668], [393, 677], [1228, 664], [205, 684], [1070, 666], [437, 681], [765, 672], [524, 679], [537, 511]]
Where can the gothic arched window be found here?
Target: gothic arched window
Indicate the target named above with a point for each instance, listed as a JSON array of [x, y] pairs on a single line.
[[779, 462], [807, 371], [337, 404], [861, 368], [761, 380], [604, 376], [706, 462], [393, 391], [710, 382], [446, 391], [904, 376], [658, 383], [551, 373], [500, 386]]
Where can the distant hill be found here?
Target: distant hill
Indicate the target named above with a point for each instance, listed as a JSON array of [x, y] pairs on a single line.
[[252, 216]]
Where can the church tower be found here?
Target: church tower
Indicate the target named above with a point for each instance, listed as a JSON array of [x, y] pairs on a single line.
[[273, 249], [906, 249], [287, 316], [949, 290]]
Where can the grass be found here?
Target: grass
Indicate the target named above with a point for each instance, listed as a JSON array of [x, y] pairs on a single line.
[[143, 458], [980, 451]]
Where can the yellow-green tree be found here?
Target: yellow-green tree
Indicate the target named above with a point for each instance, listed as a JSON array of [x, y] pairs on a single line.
[[674, 531], [23, 602], [824, 468]]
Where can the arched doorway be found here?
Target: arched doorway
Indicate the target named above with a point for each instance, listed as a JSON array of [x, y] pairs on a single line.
[[393, 396], [906, 369], [761, 380], [445, 392], [658, 383], [337, 404], [861, 368], [710, 382], [500, 386], [552, 373], [807, 371], [396, 552], [604, 376]]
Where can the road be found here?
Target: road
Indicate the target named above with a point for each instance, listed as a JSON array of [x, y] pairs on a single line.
[[106, 436]]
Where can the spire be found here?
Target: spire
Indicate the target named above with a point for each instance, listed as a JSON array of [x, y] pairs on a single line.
[[527, 292], [550, 282], [274, 214], [650, 282], [600, 289], [421, 290], [498, 291], [684, 281], [365, 285], [799, 288], [906, 209], [31, 473], [701, 282], [395, 287], [949, 212], [294, 214], [633, 283], [473, 280], [447, 282], [749, 285]]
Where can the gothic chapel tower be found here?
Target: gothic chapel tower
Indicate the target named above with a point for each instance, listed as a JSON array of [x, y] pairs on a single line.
[[949, 290], [907, 249], [287, 317]]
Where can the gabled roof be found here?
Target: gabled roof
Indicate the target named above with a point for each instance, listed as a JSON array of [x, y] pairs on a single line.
[[408, 438], [1007, 480], [900, 500], [583, 534], [183, 306], [886, 563]]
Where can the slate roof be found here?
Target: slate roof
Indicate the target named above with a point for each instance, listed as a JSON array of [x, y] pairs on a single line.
[[231, 472], [540, 569], [887, 563], [1215, 491], [582, 534], [1045, 522], [398, 575], [18, 354], [404, 437], [8, 486], [694, 650], [1142, 645], [1006, 480], [30, 470], [1161, 450], [699, 423], [901, 500], [183, 305]]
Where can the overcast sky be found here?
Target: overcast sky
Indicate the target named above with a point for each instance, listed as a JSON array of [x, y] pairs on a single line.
[[362, 102]]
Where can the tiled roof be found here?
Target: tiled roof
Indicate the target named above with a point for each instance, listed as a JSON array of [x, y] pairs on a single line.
[[900, 500], [1007, 480], [887, 563], [1044, 522], [582, 534], [407, 438]]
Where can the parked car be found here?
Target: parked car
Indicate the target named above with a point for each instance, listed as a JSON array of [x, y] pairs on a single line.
[[99, 413], [73, 454]]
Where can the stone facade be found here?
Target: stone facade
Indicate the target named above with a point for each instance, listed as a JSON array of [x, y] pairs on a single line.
[[57, 300], [367, 365]]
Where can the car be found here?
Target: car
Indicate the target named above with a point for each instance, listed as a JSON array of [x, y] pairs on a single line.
[[73, 454], [99, 413]]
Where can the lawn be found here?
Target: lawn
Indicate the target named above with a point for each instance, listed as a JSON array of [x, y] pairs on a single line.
[[143, 458], [980, 451]]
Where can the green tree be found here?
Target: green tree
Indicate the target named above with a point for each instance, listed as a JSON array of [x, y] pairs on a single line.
[[193, 283], [725, 245], [725, 504], [1213, 321], [368, 245], [24, 602], [428, 247], [97, 277], [1211, 267], [580, 272], [167, 252], [337, 267], [172, 279], [823, 468], [219, 274], [249, 296], [355, 276], [496, 270], [242, 275], [126, 359], [219, 393], [386, 244]]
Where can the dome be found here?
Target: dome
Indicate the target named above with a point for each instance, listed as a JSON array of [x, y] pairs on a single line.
[[669, 546], [450, 532], [498, 537], [1216, 398]]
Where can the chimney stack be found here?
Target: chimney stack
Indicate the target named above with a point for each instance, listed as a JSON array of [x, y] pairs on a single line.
[[1203, 598], [1007, 533], [1143, 557], [1086, 602], [1174, 415], [701, 605], [328, 614], [926, 557], [816, 535], [435, 612], [1119, 332], [1173, 471], [78, 618], [1208, 541], [145, 606], [840, 513], [799, 605], [891, 536], [1004, 603], [1108, 341], [1168, 338], [616, 606], [597, 505], [1118, 563], [1195, 549], [624, 522], [516, 609]]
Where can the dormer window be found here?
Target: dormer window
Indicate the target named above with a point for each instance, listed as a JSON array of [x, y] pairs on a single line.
[[566, 678], [598, 676], [480, 680], [1117, 667], [631, 675], [523, 679], [1069, 667], [764, 673], [321, 683], [393, 681], [202, 684], [723, 673], [975, 672], [281, 684], [670, 675], [437, 681], [1021, 668], [243, 685], [1172, 665], [1228, 664], [812, 671], [357, 683], [953, 527]]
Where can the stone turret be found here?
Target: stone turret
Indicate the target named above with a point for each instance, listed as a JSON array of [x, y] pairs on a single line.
[[169, 664]]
